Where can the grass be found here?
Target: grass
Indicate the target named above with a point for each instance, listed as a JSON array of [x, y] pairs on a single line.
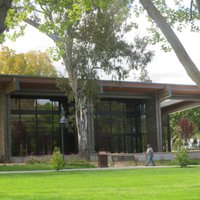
[[29, 167], [75, 164], [141, 184]]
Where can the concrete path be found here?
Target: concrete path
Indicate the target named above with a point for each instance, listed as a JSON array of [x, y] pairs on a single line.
[[86, 169]]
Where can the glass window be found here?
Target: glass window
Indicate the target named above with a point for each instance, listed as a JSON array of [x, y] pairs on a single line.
[[44, 104], [28, 117], [117, 125], [103, 106], [15, 104], [44, 118], [121, 127], [55, 106], [27, 104], [117, 106], [35, 127]]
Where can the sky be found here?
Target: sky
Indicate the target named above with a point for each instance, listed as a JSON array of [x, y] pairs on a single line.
[[164, 68]]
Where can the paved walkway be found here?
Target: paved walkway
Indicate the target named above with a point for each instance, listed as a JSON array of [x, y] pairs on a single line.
[[86, 169]]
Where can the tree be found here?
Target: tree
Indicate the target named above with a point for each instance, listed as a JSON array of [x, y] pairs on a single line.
[[4, 7], [32, 63], [186, 128], [89, 36], [57, 161], [184, 125], [182, 157], [176, 16]]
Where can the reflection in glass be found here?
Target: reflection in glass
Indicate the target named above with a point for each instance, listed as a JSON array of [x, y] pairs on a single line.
[[120, 126], [35, 126], [44, 104]]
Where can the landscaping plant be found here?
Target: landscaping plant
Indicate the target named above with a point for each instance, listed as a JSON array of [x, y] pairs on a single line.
[[57, 161], [182, 157]]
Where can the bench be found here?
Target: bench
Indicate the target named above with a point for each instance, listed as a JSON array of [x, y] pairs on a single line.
[[121, 157]]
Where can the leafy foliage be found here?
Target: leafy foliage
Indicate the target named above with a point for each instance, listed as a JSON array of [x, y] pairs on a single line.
[[33, 160], [179, 14], [57, 161], [4, 7], [186, 127], [90, 39], [182, 157], [30, 63], [177, 141]]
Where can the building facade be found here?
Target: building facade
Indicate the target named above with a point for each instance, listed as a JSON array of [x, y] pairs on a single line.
[[128, 116]]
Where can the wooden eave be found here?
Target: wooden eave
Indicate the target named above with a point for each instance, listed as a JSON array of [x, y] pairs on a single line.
[[29, 85]]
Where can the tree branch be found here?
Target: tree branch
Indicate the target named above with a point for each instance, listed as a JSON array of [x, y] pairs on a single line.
[[32, 23], [191, 5], [37, 25], [4, 7], [198, 5], [172, 38]]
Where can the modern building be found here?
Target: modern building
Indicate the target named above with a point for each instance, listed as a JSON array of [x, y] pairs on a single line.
[[128, 116]]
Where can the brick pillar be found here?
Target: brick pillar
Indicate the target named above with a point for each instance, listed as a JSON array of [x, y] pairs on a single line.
[[4, 131], [154, 127]]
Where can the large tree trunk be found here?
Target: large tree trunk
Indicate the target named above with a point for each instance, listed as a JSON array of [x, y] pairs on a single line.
[[82, 125], [4, 6], [175, 43], [198, 5], [80, 103]]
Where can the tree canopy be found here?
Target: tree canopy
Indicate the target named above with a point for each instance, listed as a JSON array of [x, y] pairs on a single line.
[[31, 63], [89, 33], [4, 7], [89, 36], [178, 14]]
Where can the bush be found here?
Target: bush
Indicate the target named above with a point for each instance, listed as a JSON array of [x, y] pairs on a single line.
[[57, 161], [32, 160], [182, 157], [77, 160]]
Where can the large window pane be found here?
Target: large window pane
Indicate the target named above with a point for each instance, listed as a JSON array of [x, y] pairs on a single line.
[[121, 125], [34, 126], [27, 104], [15, 104], [44, 104], [117, 125]]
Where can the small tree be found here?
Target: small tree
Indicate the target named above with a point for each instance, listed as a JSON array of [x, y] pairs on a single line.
[[186, 128], [182, 157], [57, 161]]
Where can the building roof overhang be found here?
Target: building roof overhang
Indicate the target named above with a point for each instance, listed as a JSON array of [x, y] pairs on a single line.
[[26, 85], [172, 97], [163, 91]]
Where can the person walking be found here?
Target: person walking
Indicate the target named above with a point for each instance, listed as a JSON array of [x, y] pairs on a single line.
[[149, 155]]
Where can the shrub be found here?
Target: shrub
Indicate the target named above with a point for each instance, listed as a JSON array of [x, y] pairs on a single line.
[[57, 161], [31, 160], [76, 160], [182, 157]]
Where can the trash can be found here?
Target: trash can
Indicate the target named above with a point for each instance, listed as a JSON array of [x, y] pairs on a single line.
[[102, 159]]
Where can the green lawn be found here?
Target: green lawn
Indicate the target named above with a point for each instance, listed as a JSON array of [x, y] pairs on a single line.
[[135, 184], [21, 167]]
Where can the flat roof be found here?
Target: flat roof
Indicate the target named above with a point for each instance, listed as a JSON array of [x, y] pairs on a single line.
[[170, 95]]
